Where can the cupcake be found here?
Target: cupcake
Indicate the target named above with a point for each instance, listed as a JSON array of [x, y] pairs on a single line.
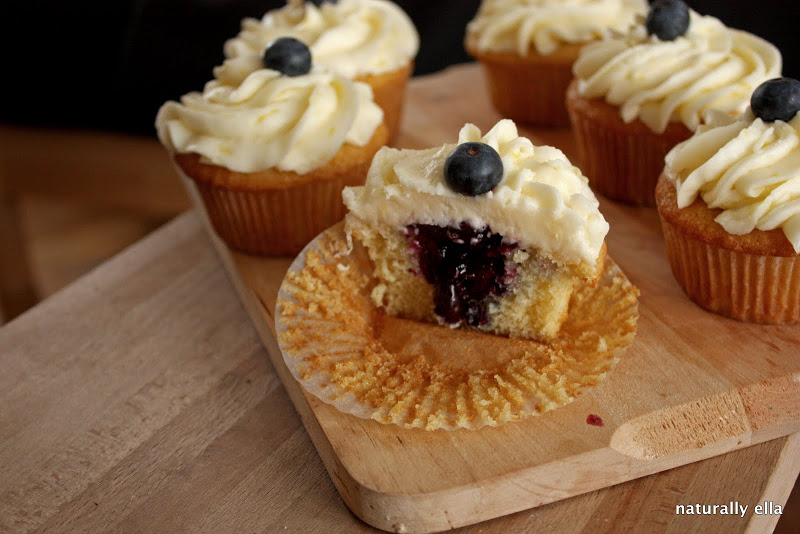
[[527, 48], [492, 233], [371, 41], [270, 156], [729, 201], [637, 95], [468, 286]]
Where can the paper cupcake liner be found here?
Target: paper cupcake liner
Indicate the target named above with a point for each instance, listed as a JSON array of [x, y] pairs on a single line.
[[276, 213], [276, 222], [747, 287], [527, 90], [418, 375], [622, 161], [389, 91]]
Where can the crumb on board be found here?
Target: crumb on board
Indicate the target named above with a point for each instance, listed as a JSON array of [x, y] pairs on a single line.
[[594, 420]]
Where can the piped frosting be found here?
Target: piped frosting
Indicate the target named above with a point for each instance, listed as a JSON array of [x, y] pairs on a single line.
[[709, 67], [352, 37], [748, 168], [271, 121], [543, 201], [518, 25]]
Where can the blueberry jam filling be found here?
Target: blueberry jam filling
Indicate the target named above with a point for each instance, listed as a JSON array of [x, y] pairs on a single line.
[[467, 268]]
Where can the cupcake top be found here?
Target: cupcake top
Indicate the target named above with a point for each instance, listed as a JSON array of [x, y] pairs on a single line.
[[747, 167], [518, 25], [292, 122], [707, 66], [352, 37], [539, 198]]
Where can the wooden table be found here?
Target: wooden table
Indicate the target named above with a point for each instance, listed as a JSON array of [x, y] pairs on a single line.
[[140, 399]]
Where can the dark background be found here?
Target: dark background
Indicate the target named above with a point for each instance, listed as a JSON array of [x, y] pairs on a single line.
[[109, 64]]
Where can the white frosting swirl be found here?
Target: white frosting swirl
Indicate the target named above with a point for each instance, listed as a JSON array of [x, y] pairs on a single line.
[[271, 121], [542, 201], [748, 168], [352, 37], [515, 25], [710, 67]]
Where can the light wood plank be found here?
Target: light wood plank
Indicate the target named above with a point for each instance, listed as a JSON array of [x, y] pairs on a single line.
[[678, 396], [140, 399]]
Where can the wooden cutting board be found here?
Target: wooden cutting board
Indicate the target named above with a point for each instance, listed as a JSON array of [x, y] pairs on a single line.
[[693, 385]]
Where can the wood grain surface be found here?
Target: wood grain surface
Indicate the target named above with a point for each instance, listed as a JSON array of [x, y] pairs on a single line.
[[140, 399], [679, 395], [17, 292]]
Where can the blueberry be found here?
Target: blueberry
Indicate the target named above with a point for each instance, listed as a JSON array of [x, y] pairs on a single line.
[[473, 169], [668, 19], [776, 100], [288, 56], [320, 2]]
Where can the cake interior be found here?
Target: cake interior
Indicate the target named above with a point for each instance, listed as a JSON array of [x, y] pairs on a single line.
[[465, 266], [459, 275]]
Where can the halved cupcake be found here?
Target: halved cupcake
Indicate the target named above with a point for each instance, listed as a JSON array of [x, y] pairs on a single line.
[[729, 201], [271, 155], [492, 232], [372, 41], [490, 235]]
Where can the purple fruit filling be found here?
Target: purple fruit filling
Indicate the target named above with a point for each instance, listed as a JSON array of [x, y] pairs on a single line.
[[467, 268]]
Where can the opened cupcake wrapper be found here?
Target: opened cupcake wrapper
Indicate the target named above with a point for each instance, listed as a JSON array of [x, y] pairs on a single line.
[[417, 375]]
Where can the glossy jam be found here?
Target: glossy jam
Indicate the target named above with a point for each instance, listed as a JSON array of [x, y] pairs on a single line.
[[467, 268]]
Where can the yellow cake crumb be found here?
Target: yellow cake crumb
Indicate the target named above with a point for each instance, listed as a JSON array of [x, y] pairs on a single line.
[[535, 308]]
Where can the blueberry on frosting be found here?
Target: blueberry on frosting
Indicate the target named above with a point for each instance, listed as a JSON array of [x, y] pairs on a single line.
[[473, 169], [776, 100], [667, 19], [318, 3], [288, 56]]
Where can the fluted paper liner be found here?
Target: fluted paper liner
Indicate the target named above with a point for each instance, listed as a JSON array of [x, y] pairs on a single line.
[[388, 91], [747, 287], [622, 161], [529, 89], [276, 222], [350, 354], [272, 213]]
